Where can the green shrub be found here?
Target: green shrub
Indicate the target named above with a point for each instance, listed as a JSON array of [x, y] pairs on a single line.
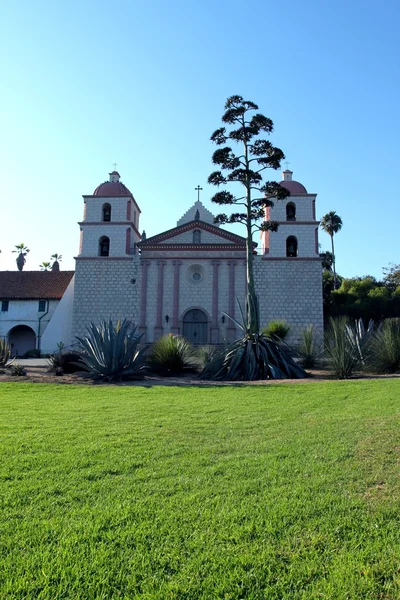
[[309, 351], [277, 330], [5, 352], [384, 356], [33, 353], [17, 370], [172, 355], [112, 352], [69, 361], [341, 350], [205, 354]]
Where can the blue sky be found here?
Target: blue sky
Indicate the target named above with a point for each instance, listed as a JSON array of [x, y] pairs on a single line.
[[87, 84]]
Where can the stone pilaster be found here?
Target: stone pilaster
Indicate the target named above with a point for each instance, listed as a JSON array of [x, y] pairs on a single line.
[[159, 329], [215, 295], [231, 330], [175, 307], [143, 299]]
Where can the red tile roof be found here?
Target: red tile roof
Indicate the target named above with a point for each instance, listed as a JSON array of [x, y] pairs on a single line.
[[34, 285]]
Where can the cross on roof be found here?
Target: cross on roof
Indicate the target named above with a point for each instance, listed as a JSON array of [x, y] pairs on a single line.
[[287, 163], [115, 165], [198, 189]]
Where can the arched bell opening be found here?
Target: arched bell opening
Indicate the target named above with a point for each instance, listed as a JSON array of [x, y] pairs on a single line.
[[290, 211], [106, 213], [104, 246], [291, 247]]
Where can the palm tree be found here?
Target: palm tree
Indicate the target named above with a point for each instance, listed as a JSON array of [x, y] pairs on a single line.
[[44, 266], [57, 258], [331, 223], [22, 252]]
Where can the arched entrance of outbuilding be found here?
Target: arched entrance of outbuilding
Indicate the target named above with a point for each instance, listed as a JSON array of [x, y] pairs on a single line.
[[195, 326], [21, 338]]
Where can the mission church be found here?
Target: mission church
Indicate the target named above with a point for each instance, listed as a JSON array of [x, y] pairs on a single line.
[[183, 280]]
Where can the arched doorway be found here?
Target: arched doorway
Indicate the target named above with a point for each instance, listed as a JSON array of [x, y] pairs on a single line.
[[21, 338], [195, 326]]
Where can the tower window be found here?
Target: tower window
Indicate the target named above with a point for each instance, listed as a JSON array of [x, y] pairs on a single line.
[[290, 211], [106, 212], [197, 236], [4, 305], [104, 246], [42, 306], [291, 246]]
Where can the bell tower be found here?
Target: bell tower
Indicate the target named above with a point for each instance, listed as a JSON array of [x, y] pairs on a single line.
[[110, 226], [297, 235]]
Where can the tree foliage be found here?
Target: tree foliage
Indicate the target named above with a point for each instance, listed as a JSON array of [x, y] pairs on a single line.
[[331, 223], [22, 251]]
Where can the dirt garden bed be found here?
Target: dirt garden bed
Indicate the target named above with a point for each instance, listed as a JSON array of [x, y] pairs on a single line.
[[41, 374]]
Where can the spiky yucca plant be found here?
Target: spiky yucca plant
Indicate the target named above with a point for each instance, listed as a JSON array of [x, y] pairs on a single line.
[[172, 355], [253, 357], [384, 356], [5, 352], [112, 352], [309, 351]]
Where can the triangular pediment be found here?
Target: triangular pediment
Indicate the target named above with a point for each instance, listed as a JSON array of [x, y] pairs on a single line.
[[184, 234]]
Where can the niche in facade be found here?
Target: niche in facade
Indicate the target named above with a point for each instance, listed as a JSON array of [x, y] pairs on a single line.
[[291, 246], [197, 236]]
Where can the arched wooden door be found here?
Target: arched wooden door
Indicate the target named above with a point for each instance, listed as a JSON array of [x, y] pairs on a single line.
[[195, 326]]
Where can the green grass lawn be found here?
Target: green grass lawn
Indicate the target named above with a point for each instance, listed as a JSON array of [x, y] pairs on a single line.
[[278, 492]]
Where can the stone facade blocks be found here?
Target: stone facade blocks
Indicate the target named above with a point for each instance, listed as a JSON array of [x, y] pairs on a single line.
[[105, 289]]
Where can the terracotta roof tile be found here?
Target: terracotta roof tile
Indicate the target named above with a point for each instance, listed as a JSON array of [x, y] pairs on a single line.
[[34, 285]]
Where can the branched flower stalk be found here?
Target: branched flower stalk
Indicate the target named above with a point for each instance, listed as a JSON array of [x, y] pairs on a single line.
[[246, 169]]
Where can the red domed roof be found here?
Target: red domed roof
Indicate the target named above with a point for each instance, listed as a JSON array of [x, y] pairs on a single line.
[[112, 189], [294, 187]]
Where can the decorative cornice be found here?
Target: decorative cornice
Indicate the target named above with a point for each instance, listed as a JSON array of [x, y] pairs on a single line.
[[193, 225], [292, 258], [147, 259], [125, 223], [190, 247], [103, 258], [298, 222]]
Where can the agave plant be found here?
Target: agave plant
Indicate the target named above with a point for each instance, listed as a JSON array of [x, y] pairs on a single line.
[[253, 357], [172, 355], [112, 352], [5, 353]]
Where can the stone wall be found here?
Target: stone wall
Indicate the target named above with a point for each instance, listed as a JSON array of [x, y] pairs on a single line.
[[306, 239], [304, 208], [104, 289], [290, 290], [191, 293], [93, 233]]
